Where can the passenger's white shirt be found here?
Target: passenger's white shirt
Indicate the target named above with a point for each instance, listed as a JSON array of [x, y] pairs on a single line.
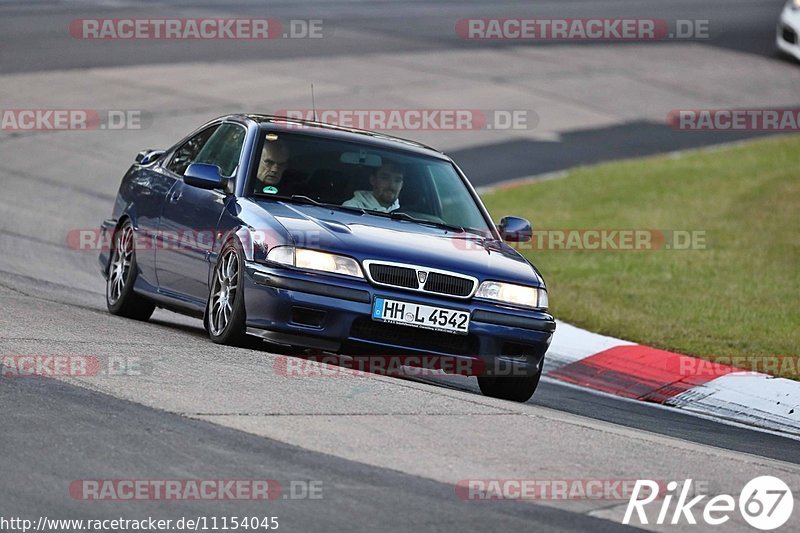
[[367, 200]]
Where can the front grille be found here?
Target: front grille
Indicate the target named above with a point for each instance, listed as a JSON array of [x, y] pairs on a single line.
[[419, 278], [444, 284], [414, 338], [394, 275], [789, 35]]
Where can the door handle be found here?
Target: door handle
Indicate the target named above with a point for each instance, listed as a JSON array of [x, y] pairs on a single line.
[[175, 196]]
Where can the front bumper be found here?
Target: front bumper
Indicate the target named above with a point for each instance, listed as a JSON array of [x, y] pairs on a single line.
[[333, 313], [788, 32]]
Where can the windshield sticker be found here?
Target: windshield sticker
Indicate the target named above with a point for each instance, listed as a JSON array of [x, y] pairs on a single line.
[[269, 189], [271, 137]]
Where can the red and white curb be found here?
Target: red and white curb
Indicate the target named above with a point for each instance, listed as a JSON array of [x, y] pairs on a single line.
[[639, 372]]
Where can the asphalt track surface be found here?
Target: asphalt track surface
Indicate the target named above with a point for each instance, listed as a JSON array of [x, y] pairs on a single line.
[[33, 37], [387, 451], [113, 434], [33, 33]]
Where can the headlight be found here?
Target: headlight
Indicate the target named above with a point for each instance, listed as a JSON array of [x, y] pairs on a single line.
[[314, 260], [513, 294]]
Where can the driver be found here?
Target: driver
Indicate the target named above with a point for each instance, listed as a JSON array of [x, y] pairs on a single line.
[[274, 157], [386, 182]]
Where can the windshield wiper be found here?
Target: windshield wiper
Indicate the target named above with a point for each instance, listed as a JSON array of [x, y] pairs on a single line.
[[359, 210], [302, 198], [400, 215], [296, 197], [307, 199], [394, 215]]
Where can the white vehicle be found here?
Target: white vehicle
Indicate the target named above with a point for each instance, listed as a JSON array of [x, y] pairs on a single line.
[[789, 28]]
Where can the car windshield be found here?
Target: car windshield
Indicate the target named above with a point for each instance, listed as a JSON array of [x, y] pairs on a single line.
[[364, 178]]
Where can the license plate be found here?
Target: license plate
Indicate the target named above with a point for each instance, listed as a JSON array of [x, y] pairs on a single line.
[[420, 316]]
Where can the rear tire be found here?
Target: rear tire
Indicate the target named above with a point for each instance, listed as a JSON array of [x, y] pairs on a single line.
[[512, 388], [225, 315], [121, 300]]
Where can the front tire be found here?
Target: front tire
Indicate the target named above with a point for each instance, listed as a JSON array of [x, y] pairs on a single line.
[[121, 300], [225, 313], [512, 388]]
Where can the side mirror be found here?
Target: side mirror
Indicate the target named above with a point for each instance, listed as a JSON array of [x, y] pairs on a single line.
[[145, 157], [515, 229], [204, 176]]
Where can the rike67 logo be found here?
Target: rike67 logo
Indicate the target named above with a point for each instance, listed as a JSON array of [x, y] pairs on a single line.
[[766, 503]]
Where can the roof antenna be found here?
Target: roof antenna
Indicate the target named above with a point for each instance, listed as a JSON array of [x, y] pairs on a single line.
[[313, 105]]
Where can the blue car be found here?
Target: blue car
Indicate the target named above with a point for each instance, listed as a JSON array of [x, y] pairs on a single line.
[[336, 240]]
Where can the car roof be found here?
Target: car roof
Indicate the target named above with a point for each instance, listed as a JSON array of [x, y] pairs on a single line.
[[332, 131]]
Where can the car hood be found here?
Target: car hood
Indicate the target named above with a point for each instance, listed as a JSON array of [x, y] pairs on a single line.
[[381, 238]]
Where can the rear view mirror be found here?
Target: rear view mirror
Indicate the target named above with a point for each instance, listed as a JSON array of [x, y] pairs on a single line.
[[515, 229], [145, 157], [204, 176], [361, 158]]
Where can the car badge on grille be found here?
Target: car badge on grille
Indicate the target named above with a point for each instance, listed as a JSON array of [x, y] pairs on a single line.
[[422, 276]]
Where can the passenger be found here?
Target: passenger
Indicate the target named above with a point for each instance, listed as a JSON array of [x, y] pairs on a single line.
[[274, 157], [386, 182]]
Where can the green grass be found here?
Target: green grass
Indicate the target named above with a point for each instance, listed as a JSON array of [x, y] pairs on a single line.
[[738, 297]]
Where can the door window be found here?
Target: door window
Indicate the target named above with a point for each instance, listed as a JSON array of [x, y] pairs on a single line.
[[223, 148], [188, 151]]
